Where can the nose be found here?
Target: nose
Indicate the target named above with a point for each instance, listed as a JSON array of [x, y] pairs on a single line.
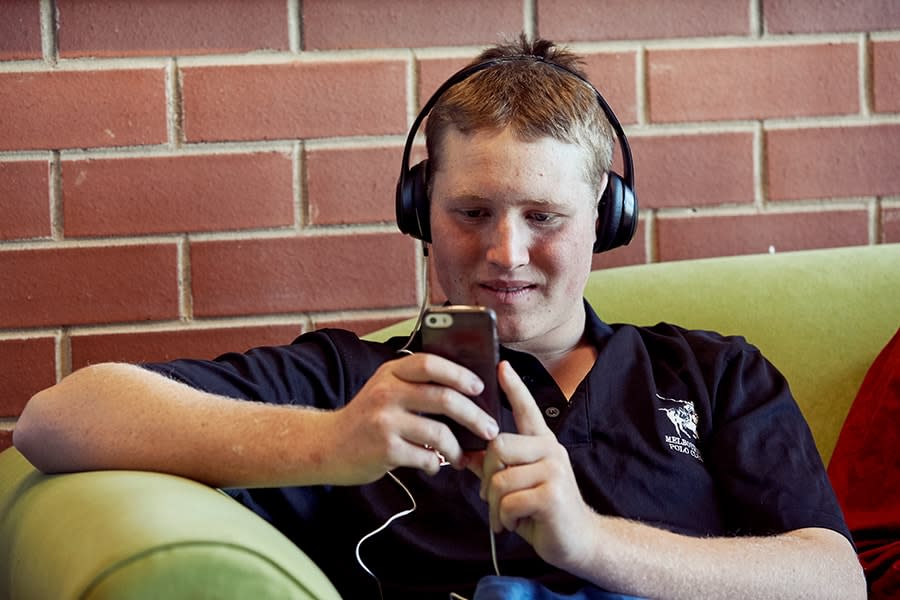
[[508, 244]]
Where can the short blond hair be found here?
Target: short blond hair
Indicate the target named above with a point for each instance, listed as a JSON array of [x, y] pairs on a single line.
[[530, 96]]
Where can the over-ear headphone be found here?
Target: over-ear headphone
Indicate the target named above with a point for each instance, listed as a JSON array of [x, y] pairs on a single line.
[[618, 208]]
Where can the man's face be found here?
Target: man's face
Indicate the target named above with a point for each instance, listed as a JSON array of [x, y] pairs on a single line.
[[513, 224]]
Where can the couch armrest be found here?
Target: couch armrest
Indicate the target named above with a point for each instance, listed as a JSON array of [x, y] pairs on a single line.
[[128, 534]]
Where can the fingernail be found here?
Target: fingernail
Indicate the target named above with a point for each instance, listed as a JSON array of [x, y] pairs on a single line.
[[493, 430]]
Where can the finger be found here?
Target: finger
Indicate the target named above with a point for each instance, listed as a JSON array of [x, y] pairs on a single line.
[[440, 400], [435, 437], [518, 449], [491, 464], [430, 368], [529, 420], [520, 495]]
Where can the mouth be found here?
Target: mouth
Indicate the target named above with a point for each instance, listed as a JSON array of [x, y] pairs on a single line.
[[507, 291]]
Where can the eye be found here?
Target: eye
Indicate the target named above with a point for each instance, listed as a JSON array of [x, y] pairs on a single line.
[[473, 213], [542, 217]]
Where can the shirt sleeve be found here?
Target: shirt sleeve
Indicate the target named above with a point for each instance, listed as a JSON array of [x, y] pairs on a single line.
[[763, 455], [323, 369]]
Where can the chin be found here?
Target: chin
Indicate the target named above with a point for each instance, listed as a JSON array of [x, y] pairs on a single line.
[[514, 333]]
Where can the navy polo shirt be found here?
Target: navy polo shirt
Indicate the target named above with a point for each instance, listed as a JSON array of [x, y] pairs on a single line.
[[688, 431]]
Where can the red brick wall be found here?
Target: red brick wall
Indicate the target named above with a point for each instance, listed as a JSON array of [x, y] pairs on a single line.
[[186, 178]]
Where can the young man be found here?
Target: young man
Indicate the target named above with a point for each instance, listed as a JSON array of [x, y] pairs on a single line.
[[577, 481]]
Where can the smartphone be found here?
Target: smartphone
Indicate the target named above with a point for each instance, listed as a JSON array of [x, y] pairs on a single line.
[[467, 335]]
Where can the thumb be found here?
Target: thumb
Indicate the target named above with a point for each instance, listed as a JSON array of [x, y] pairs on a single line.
[[529, 420]]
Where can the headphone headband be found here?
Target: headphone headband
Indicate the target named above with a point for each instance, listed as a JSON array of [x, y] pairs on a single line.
[[618, 205]]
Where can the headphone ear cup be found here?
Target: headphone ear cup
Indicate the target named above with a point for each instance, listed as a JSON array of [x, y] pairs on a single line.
[[413, 215], [616, 215]]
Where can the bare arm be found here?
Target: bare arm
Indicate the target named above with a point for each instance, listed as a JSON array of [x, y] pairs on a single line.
[[528, 482], [805, 563], [118, 416]]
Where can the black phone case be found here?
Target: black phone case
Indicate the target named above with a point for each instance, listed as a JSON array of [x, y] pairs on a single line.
[[467, 335]]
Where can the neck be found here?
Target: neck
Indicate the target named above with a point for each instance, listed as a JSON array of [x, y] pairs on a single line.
[[567, 363]]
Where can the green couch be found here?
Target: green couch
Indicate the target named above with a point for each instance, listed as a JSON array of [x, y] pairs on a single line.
[[821, 316]]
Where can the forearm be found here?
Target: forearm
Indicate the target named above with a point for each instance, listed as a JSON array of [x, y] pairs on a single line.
[[633, 558], [116, 416]]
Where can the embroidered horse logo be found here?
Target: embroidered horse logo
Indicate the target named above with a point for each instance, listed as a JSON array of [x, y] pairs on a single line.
[[683, 417]]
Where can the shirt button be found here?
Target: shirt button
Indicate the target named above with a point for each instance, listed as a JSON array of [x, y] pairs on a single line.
[[552, 412]]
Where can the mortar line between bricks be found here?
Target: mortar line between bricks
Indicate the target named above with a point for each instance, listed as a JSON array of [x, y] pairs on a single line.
[[28, 333], [412, 92], [642, 98], [263, 58], [756, 19], [771, 208], [865, 83], [55, 197], [298, 185], [760, 181], [875, 231], [210, 148], [530, 25], [259, 58], [155, 239], [49, 33], [885, 36], [300, 319], [295, 26], [185, 292], [174, 121], [63, 353]]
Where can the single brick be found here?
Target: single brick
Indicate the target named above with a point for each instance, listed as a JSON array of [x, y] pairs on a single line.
[[345, 186], [404, 23], [814, 16], [693, 170], [322, 272], [29, 365], [24, 200], [111, 28], [158, 346], [585, 20], [890, 225], [133, 196], [682, 238], [295, 100], [752, 82], [20, 30], [81, 109], [886, 76], [833, 162], [67, 286]]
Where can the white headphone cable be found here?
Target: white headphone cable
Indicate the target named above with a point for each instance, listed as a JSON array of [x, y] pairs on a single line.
[[426, 292], [384, 526]]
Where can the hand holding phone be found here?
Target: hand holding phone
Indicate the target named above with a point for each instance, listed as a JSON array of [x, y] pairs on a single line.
[[467, 335]]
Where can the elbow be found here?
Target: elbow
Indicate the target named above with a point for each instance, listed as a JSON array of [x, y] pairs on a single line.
[[36, 432], [51, 431]]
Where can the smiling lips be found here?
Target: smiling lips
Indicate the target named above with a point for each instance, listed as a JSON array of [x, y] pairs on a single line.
[[507, 291]]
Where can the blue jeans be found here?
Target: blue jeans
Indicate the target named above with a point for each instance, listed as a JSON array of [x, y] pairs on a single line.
[[516, 588]]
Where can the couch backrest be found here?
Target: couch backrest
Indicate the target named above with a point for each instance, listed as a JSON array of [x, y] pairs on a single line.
[[821, 316]]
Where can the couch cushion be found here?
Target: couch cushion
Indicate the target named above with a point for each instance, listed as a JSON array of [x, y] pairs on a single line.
[[127, 534]]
